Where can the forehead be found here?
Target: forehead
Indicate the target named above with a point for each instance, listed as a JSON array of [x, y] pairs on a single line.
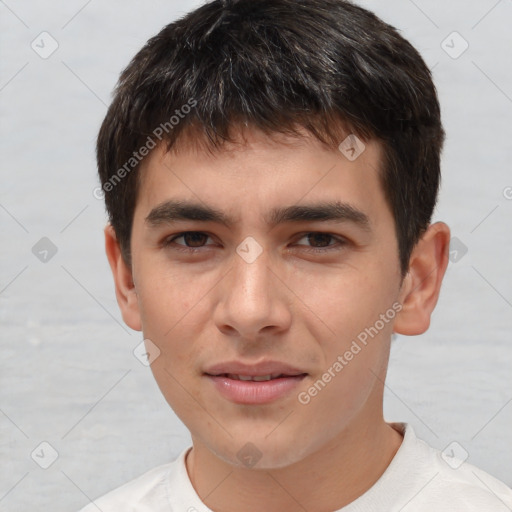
[[257, 174]]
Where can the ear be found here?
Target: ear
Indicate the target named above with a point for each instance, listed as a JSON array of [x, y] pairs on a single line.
[[125, 289], [421, 286]]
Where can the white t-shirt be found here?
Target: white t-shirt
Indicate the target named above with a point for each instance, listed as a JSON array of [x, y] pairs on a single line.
[[418, 479]]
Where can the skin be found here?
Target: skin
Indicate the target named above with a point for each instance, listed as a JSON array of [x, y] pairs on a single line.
[[288, 305]]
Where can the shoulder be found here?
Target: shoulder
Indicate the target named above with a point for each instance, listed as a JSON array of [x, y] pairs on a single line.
[[472, 488], [147, 492], [448, 483]]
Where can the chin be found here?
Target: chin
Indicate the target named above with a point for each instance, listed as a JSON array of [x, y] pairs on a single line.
[[260, 453]]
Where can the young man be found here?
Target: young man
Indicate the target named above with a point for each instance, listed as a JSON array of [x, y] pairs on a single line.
[[270, 169]]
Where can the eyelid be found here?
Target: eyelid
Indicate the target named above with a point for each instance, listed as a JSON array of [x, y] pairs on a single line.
[[169, 239], [340, 241]]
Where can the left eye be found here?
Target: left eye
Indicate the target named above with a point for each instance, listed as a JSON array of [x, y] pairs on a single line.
[[323, 239], [198, 238]]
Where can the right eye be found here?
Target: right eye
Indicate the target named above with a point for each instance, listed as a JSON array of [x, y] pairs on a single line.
[[190, 237]]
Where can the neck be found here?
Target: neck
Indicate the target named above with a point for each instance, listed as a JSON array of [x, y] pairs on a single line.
[[328, 479]]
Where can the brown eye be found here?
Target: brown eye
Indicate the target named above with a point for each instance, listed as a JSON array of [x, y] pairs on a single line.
[[193, 240], [320, 242], [319, 238]]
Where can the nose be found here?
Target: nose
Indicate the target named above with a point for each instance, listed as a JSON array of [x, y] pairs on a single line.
[[254, 300]]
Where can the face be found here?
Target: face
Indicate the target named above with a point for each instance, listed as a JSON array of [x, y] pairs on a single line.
[[309, 297]]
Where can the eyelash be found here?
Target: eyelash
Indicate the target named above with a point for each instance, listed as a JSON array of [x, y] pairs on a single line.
[[340, 242]]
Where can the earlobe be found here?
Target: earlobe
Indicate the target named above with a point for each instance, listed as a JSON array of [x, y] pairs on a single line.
[[422, 284], [126, 293]]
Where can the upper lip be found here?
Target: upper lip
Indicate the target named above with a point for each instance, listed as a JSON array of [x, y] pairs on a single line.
[[253, 370]]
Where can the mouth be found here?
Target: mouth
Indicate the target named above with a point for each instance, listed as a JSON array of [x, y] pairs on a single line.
[[255, 389], [256, 378]]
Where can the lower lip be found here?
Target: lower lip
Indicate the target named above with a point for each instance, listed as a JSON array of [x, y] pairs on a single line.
[[252, 392]]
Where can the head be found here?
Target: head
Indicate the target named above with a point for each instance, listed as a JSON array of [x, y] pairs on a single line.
[[248, 110]]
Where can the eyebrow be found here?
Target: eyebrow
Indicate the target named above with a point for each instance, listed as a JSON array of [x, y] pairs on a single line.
[[181, 210]]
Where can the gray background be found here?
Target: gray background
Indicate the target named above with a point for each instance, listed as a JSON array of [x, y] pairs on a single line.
[[68, 375]]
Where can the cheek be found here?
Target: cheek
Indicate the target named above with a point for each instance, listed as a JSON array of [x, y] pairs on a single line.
[[352, 372], [176, 311], [168, 297], [350, 316], [340, 300]]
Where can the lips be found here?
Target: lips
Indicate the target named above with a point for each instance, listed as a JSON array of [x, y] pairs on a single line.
[[254, 384], [255, 378], [238, 370]]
